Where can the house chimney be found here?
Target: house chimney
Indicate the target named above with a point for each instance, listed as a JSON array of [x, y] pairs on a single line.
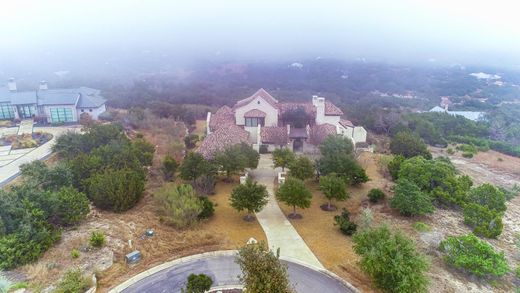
[[320, 110], [43, 85], [11, 85]]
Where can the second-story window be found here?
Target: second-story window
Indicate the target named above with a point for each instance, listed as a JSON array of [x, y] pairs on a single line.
[[254, 121]]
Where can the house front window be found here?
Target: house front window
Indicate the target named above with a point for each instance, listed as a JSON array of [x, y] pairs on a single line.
[[254, 122], [6, 111], [61, 115]]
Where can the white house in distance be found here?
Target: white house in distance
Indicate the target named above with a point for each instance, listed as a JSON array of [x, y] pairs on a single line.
[[55, 105], [471, 115], [258, 120]]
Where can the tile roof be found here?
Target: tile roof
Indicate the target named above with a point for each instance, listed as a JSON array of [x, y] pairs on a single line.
[[346, 123], [274, 135], [308, 107], [222, 138], [224, 116], [332, 110], [259, 93], [318, 133], [254, 113]]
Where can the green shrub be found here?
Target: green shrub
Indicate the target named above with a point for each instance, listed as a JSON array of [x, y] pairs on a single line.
[[97, 239], [71, 206], [489, 196], [345, 225], [73, 282], [467, 148], [467, 155], [517, 272], [29, 242], [169, 166], [474, 256], [74, 253], [375, 195], [19, 285], [409, 145], [485, 222], [421, 227], [207, 208], [395, 165], [198, 283], [179, 205], [410, 200], [116, 190], [391, 259], [450, 151]]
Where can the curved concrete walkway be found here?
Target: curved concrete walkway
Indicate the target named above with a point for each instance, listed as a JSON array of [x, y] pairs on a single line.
[[279, 231], [221, 267], [12, 170]]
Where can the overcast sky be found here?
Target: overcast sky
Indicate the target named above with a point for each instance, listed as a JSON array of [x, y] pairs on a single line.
[[437, 30]]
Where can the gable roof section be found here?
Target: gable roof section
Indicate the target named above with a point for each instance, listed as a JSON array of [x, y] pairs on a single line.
[[332, 110], [259, 93], [223, 117], [221, 139], [319, 133], [90, 100], [346, 123], [254, 113], [274, 135]]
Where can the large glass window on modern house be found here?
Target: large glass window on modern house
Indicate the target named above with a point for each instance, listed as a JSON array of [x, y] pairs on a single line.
[[26, 111], [61, 115], [254, 121], [6, 111]]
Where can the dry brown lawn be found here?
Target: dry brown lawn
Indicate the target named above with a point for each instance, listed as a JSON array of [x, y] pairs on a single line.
[[333, 249], [225, 230]]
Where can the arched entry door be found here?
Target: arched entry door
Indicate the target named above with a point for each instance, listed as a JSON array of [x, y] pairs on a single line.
[[298, 145]]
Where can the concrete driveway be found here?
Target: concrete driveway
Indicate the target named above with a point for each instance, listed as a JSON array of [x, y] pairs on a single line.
[[11, 161], [279, 231], [224, 272]]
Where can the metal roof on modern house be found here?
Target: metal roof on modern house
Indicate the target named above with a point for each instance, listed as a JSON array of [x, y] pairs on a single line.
[[17, 98], [58, 97], [82, 97]]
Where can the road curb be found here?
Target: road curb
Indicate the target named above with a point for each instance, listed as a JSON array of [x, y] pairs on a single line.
[[167, 265], [219, 253]]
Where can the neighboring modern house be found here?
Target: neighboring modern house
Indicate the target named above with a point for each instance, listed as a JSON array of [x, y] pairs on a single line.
[[56, 105], [471, 115], [258, 120]]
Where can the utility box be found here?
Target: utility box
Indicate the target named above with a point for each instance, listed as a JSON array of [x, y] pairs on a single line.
[[133, 257], [150, 233]]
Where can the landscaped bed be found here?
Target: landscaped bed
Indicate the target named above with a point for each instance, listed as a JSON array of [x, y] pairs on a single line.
[[26, 140]]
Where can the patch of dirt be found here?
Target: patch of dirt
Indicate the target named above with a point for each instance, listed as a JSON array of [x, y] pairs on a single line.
[[486, 167]]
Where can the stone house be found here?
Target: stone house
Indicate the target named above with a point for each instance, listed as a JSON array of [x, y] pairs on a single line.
[[258, 120]]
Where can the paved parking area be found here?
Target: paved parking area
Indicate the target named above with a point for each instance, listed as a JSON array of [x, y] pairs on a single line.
[[11, 160]]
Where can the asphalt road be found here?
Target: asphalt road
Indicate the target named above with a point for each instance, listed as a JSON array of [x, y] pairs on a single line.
[[224, 272]]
